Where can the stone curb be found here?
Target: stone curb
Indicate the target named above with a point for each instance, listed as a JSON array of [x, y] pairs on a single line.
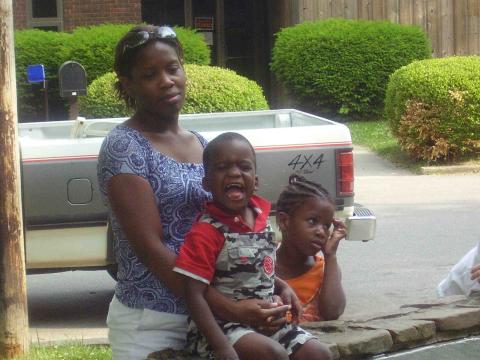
[[415, 325], [473, 167]]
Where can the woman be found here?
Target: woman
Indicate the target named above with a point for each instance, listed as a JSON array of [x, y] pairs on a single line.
[[150, 174]]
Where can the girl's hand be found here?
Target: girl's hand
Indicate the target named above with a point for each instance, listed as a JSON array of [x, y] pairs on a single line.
[[288, 296], [226, 353], [338, 233], [475, 273]]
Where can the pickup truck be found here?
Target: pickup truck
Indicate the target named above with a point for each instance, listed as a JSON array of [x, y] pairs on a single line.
[[66, 225]]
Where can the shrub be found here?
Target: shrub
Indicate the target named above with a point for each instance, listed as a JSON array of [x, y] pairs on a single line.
[[213, 89], [209, 89], [94, 47], [433, 107], [343, 65], [39, 47]]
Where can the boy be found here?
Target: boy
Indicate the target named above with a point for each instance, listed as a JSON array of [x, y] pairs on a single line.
[[232, 248]]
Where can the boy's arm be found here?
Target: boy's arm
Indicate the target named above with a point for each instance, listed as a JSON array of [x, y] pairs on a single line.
[[332, 301], [205, 321]]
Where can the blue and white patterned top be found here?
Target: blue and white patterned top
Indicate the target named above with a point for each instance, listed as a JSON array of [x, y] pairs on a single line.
[[180, 197]]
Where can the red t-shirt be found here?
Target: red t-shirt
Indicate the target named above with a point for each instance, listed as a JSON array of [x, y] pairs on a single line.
[[204, 242]]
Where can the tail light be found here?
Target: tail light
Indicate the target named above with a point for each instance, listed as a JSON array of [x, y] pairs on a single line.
[[344, 172]]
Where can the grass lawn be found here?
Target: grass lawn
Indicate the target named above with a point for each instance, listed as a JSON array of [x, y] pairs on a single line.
[[68, 352], [376, 135]]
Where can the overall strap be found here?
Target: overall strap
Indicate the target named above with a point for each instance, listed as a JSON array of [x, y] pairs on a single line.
[[215, 223]]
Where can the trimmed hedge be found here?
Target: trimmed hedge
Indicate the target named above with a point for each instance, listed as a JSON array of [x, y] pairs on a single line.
[[213, 89], [433, 107], [209, 89], [39, 47], [94, 47], [343, 65]]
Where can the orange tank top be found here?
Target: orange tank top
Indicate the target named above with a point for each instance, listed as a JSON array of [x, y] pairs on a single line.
[[307, 286]]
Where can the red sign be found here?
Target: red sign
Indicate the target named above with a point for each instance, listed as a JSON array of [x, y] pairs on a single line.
[[204, 23]]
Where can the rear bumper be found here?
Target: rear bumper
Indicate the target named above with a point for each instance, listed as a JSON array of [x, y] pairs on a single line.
[[361, 225]]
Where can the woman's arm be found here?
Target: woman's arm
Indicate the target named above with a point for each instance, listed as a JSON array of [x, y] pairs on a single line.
[[253, 312], [331, 300], [133, 203], [202, 316]]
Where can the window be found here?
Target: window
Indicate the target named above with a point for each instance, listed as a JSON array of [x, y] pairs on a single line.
[[45, 14]]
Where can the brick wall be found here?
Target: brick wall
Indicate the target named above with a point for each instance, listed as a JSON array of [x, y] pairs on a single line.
[[93, 12], [20, 14], [87, 12]]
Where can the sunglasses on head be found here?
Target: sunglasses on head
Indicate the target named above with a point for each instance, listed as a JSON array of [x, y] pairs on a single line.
[[138, 38]]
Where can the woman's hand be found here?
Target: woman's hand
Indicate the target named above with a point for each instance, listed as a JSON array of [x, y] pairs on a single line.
[[475, 273], [261, 314], [338, 233]]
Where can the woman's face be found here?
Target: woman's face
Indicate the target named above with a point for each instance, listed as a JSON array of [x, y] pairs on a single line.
[[157, 81]]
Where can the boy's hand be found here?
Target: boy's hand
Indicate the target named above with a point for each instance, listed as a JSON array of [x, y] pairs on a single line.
[[475, 273], [226, 353], [338, 233]]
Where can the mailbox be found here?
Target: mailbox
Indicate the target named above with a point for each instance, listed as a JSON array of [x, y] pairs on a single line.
[[36, 73], [73, 79]]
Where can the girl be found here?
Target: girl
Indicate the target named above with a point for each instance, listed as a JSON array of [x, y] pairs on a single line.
[[305, 217]]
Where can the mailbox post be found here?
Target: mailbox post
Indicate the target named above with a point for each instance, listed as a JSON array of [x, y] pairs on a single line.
[[36, 74], [73, 83]]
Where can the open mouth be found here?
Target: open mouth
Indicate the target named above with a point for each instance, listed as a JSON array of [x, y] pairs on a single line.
[[235, 191]]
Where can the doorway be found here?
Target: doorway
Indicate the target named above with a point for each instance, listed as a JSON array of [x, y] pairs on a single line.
[[163, 12]]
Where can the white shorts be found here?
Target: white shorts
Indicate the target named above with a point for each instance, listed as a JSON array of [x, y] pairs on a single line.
[[135, 333]]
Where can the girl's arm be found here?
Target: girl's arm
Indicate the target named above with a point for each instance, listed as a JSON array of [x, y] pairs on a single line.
[[331, 300], [133, 203], [202, 316]]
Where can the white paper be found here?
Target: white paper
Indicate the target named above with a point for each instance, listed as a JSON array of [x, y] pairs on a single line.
[[458, 281]]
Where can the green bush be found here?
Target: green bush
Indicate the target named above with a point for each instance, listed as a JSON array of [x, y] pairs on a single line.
[[433, 107], [209, 89], [94, 47], [213, 89], [343, 65], [39, 47]]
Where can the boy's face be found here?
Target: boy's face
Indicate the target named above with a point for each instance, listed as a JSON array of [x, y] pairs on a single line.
[[231, 176]]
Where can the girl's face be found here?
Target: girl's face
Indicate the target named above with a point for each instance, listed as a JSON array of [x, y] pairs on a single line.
[[308, 228], [157, 81]]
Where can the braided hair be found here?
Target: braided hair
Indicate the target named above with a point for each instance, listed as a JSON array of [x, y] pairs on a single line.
[[297, 191]]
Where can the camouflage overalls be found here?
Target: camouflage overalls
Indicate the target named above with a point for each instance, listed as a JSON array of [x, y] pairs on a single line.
[[245, 269]]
